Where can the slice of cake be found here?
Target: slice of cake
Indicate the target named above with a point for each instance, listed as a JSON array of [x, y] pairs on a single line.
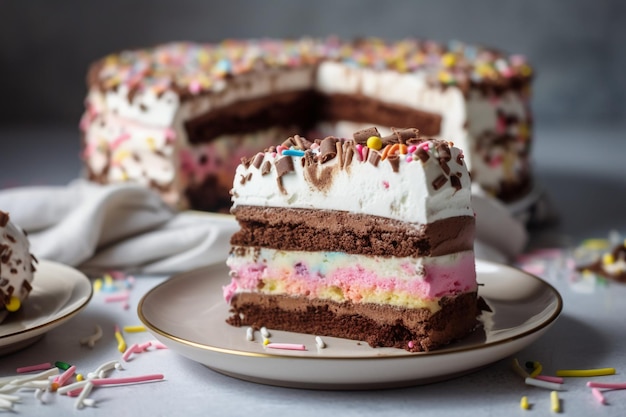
[[178, 117], [17, 267], [368, 238]]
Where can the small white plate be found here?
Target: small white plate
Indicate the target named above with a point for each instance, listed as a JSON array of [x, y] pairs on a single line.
[[59, 293], [187, 313]]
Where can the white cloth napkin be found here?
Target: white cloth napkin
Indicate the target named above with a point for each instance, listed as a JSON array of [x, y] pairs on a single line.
[[116, 227], [127, 227]]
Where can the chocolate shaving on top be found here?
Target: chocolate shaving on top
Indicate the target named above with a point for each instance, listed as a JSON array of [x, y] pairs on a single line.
[[328, 149], [374, 158], [266, 168], [258, 160], [394, 160], [361, 136], [284, 166], [4, 218], [444, 166]]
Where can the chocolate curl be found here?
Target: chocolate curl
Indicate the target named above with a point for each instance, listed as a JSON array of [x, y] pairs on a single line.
[[258, 160], [339, 146], [4, 218], [403, 135], [328, 149], [266, 168], [444, 152], [284, 166], [245, 161], [348, 155], [363, 135], [422, 154], [374, 158], [394, 160]]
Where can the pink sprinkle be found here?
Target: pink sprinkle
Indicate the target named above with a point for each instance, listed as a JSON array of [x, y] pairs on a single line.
[[286, 346], [280, 149], [618, 385], [143, 347], [119, 140], [170, 134], [411, 149], [547, 378], [194, 87], [411, 344], [62, 379], [117, 297], [359, 151], [386, 184], [158, 345], [127, 380], [131, 349], [598, 395], [31, 368]]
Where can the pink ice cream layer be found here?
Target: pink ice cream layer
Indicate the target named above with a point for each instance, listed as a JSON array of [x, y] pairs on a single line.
[[437, 280]]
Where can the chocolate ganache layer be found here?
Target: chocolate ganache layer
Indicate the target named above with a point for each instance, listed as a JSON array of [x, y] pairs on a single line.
[[378, 325], [336, 231]]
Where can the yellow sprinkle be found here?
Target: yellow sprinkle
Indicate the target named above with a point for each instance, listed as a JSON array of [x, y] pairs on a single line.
[[266, 342], [14, 304], [445, 77], [134, 329], [524, 403], [121, 155], [121, 343], [108, 280], [555, 403], [448, 60], [97, 285], [151, 143], [586, 372], [608, 259], [526, 70], [79, 377], [537, 368], [374, 142], [595, 244]]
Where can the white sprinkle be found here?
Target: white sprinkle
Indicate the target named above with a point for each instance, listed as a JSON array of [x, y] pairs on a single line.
[[71, 387], [6, 404], [250, 334], [12, 398], [89, 402], [42, 375], [39, 395], [83, 394], [92, 339], [544, 384], [319, 342], [265, 332]]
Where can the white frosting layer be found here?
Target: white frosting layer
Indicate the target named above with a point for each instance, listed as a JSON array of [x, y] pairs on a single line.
[[407, 195]]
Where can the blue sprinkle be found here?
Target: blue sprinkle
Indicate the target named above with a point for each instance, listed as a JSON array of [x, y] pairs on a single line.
[[293, 152]]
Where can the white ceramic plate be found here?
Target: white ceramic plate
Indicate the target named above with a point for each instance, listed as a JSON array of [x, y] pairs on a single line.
[[59, 293], [187, 313]]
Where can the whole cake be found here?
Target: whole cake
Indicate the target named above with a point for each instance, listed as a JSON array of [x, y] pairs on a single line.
[[369, 238], [178, 117], [17, 267]]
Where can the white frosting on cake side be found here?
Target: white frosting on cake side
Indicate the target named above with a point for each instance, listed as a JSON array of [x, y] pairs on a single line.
[[16, 267]]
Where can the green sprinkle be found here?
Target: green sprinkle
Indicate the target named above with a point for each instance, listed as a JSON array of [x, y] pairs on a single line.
[[62, 365]]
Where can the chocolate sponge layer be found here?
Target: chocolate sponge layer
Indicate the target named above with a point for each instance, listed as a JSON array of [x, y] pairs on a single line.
[[336, 231], [378, 325]]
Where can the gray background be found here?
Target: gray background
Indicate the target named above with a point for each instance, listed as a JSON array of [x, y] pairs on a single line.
[[577, 46]]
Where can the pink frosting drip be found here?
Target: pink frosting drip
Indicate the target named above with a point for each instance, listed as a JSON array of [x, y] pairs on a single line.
[[440, 280]]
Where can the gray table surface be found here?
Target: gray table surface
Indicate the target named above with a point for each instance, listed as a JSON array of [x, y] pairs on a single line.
[[580, 168]]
